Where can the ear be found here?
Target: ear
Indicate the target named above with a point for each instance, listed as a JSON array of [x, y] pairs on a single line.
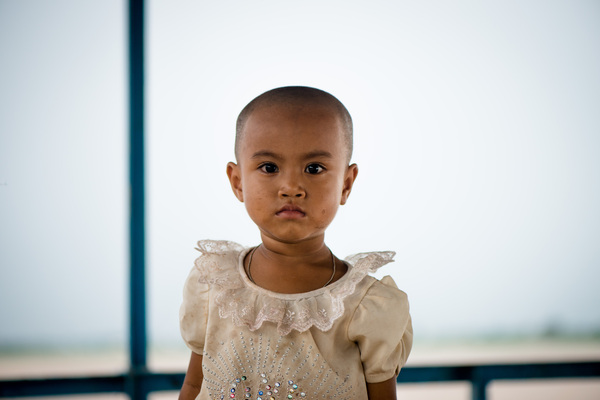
[[349, 179], [235, 179]]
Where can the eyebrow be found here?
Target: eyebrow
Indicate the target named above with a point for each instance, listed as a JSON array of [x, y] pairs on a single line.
[[312, 154], [265, 153], [318, 154]]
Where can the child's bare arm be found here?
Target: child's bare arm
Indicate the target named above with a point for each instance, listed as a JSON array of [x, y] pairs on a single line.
[[385, 390], [193, 379]]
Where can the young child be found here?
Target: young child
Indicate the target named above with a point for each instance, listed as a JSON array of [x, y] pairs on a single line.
[[287, 319]]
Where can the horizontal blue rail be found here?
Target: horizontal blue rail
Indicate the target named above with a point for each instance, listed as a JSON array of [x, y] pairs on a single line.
[[481, 375], [486, 373], [146, 382]]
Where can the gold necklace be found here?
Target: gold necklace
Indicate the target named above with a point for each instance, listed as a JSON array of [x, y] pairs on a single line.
[[254, 249]]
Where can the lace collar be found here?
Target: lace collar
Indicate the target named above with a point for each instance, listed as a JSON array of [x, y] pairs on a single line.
[[221, 266]]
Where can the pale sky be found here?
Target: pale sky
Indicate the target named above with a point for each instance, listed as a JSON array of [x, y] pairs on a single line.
[[477, 135]]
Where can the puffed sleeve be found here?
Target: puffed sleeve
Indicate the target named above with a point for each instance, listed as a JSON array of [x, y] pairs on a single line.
[[382, 328], [193, 314]]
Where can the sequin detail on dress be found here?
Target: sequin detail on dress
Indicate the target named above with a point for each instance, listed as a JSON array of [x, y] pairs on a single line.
[[253, 368], [251, 306]]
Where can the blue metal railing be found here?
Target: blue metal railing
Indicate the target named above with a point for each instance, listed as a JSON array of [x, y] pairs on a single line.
[[481, 375], [139, 382]]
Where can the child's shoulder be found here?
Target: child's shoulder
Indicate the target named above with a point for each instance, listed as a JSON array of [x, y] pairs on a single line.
[[370, 290], [385, 292], [218, 260], [218, 251], [363, 264]]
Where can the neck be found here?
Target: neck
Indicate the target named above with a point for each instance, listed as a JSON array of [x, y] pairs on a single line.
[[293, 267], [305, 251]]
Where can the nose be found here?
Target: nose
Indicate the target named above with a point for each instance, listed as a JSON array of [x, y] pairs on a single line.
[[291, 186]]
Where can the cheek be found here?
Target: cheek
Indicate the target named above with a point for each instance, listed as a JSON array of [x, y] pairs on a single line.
[[325, 217], [255, 202], [255, 191], [328, 209]]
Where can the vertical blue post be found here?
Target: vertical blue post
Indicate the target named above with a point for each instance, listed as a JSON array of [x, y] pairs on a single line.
[[137, 278], [479, 389]]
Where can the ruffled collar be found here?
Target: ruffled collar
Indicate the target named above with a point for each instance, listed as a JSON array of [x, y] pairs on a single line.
[[249, 305]]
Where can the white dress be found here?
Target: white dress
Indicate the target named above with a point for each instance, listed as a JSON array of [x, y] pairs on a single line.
[[262, 345]]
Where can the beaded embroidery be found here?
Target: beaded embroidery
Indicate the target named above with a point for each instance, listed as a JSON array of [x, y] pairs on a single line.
[[254, 369], [251, 306]]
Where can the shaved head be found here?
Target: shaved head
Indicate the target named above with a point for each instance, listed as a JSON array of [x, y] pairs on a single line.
[[296, 97]]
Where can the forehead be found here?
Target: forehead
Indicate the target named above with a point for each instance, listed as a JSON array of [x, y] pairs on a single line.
[[306, 127]]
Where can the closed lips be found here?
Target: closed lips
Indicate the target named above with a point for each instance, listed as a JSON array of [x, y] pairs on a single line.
[[290, 208]]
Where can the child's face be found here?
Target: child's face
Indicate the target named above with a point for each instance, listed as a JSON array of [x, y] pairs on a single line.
[[292, 171]]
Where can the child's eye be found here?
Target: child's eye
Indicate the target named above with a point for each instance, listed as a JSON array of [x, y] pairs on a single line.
[[269, 168], [314, 169]]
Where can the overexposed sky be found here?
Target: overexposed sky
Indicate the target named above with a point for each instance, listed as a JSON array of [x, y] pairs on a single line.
[[477, 136]]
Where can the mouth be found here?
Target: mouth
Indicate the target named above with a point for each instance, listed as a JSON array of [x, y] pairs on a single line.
[[290, 211]]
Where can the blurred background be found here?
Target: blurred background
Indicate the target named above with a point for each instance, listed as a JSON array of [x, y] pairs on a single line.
[[477, 135]]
